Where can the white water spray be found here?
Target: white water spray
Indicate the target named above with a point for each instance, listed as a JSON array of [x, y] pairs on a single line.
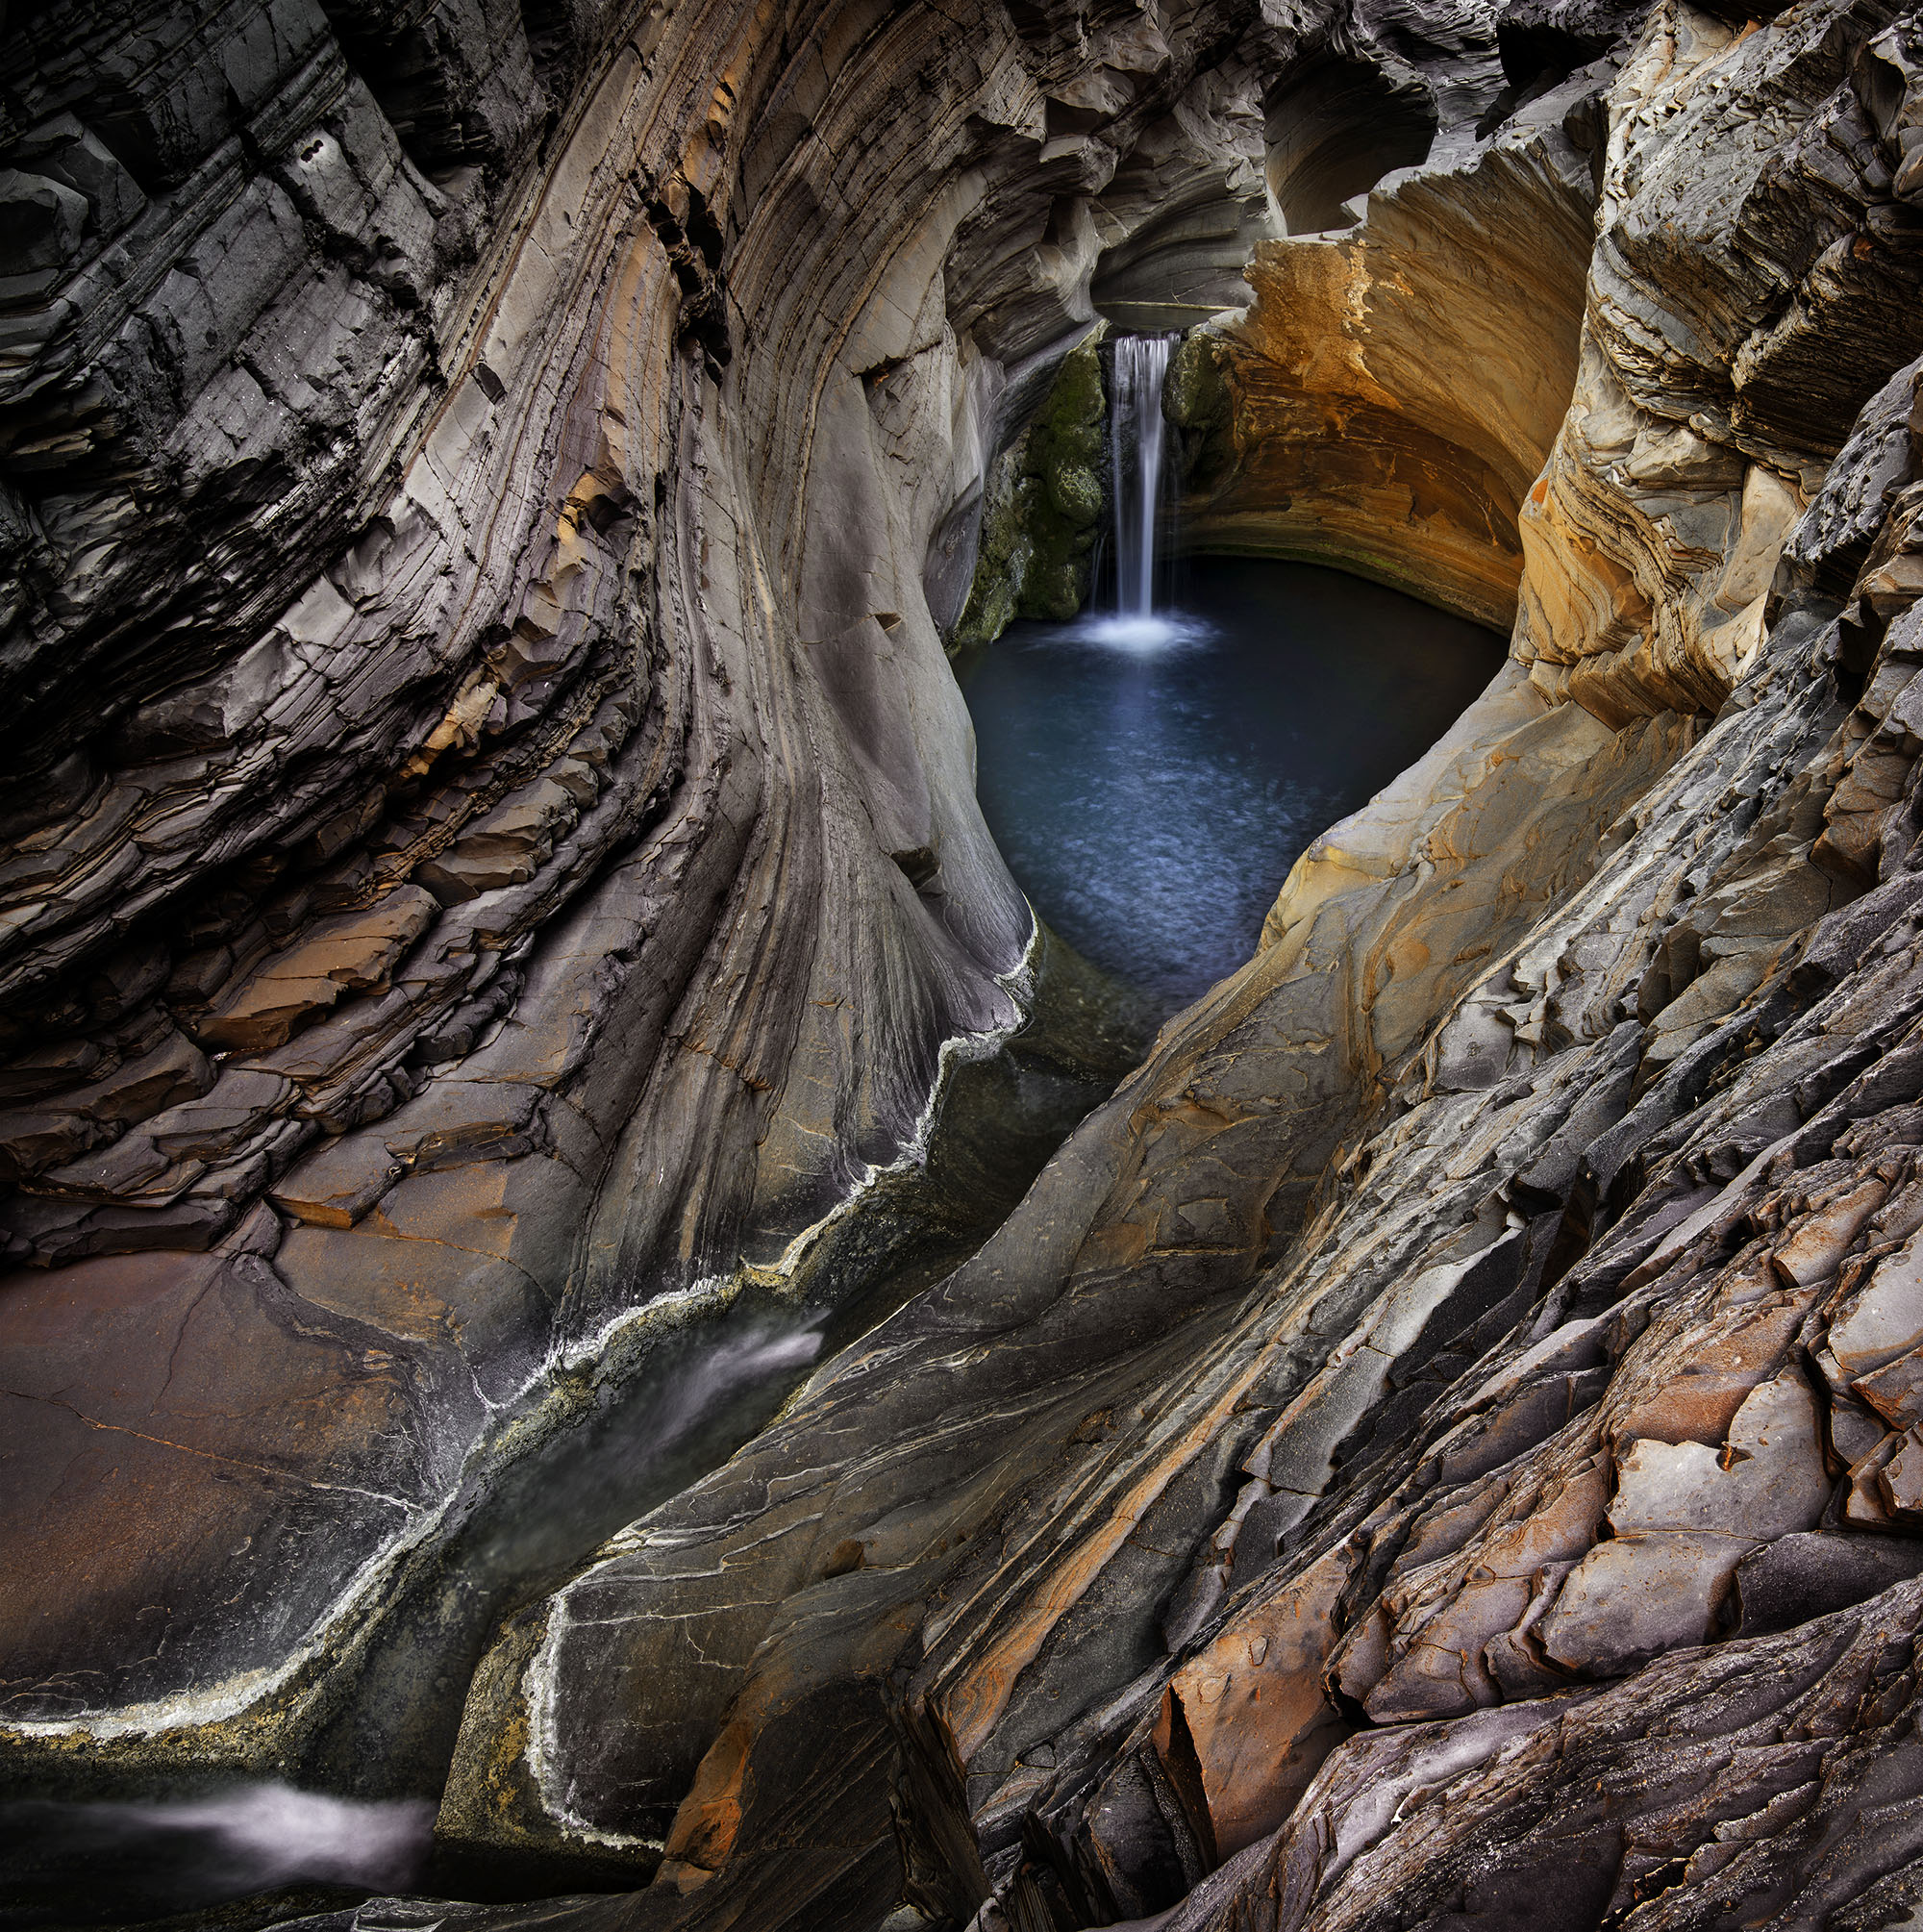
[[1136, 450], [94, 1862]]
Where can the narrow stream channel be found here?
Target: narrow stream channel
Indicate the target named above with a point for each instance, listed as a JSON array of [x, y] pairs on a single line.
[[1150, 774], [353, 1812]]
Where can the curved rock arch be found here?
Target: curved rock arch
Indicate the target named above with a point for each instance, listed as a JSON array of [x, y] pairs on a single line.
[[1337, 123]]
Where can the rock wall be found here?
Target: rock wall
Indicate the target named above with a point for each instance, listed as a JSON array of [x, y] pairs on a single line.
[[1701, 427], [1387, 403], [492, 843], [1042, 501], [1313, 1505], [1438, 1443]]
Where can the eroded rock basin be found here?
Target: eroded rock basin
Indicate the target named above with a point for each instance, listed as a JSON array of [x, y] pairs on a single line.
[[1151, 792], [1151, 787]]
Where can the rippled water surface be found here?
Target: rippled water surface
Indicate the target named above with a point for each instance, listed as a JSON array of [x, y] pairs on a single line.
[[1151, 784]]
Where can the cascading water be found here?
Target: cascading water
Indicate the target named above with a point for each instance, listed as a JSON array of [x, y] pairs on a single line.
[[1152, 772], [1135, 449]]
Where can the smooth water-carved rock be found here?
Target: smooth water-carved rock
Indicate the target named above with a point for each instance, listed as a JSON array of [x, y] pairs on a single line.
[[1579, 1226], [1637, 1595], [1439, 1441], [476, 688], [1767, 1482], [1393, 391]]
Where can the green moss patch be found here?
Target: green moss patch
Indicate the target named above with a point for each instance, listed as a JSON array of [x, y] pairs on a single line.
[[1042, 503]]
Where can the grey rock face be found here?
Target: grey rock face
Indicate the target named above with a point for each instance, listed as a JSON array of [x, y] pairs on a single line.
[[1437, 1324], [494, 865], [491, 846]]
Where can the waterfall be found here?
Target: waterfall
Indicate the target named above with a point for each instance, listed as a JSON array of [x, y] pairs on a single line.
[[1135, 462]]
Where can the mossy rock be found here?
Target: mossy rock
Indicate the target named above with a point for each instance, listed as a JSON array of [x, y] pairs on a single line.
[[1075, 495], [1003, 551], [1057, 588], [1065, 458], [1194, 394], [1196, 398], [1043, 501], [1068, 430]]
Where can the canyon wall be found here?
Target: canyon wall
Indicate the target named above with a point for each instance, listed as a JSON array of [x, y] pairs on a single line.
[[1389, 398], [497, 863], [492, 860], [1313, 1504]]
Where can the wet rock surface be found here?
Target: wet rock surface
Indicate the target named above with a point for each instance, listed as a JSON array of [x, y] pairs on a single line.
[[495, 854], [492, 843], [1043, 502]]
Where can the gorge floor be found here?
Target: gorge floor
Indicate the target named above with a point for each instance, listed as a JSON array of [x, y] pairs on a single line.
[[1151, 797]]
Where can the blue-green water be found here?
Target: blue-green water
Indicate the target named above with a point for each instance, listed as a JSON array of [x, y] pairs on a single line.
[[1151, 784]]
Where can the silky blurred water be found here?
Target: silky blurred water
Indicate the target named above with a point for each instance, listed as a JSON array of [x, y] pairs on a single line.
[[704, 1390], [83, 1864], [1151, 782]]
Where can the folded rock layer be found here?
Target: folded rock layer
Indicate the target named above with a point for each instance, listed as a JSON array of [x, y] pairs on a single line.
[[496, 864], [1435, 1324], [492, 850]]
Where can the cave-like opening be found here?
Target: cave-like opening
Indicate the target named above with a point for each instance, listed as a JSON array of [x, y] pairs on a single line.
[[1336, 125]]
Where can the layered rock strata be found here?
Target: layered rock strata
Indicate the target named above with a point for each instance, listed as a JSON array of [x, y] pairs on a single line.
[[1442, 1442], [1400, 1445], [492, 851], [1389, 398]]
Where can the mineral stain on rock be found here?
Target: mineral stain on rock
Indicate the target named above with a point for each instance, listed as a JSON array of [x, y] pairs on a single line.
[[577, 1254]]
